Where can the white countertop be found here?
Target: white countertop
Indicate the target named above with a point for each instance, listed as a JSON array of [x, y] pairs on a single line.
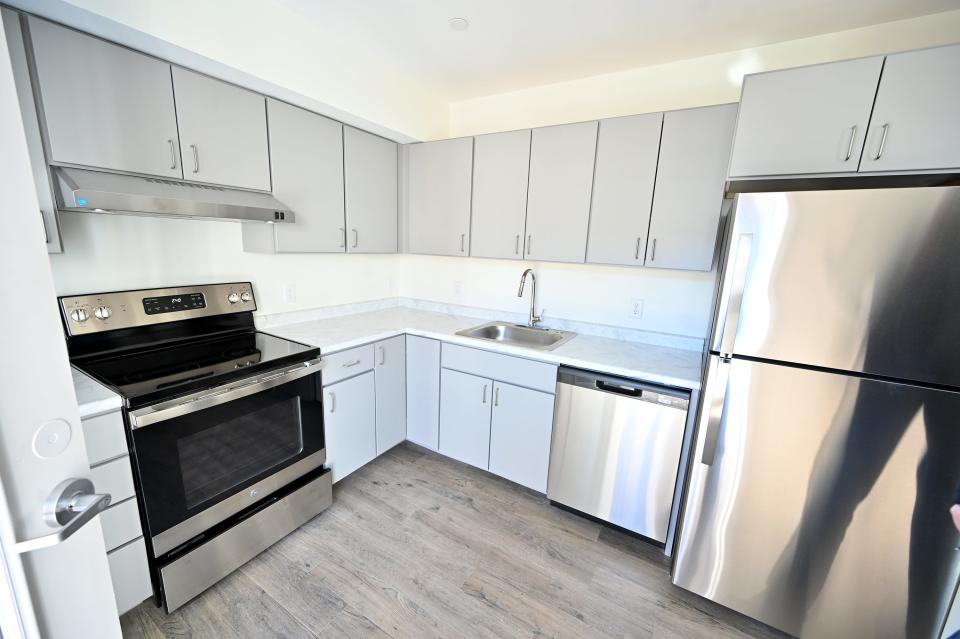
[[93, 397], [652, 363]]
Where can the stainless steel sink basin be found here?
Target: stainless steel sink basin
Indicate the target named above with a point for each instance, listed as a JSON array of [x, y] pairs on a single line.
[[541, 339]]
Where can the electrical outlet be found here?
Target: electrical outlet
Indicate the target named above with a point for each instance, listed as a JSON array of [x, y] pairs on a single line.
[[457, 289], [289, 293], [636, 308]]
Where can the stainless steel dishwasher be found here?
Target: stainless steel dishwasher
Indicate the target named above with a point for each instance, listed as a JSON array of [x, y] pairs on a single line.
[[616, 449]]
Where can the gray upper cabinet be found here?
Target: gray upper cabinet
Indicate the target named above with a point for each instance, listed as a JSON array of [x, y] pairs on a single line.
[[688, 196], [370, 167], [627, 151], [438, 205], [104, 105], [914, 125], [223, 131], [501, 162], [805, 120], [558, 203]]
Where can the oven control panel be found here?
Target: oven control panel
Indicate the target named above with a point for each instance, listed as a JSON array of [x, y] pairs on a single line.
[[98, 312]]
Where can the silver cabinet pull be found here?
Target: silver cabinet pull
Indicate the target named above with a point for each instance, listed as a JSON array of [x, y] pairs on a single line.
[[356, 238], [383, 355], [343, 237], [70, 505], [349, 364], [516, 245], [636, 253], [715, 414], [496, 395], [529, 243], [463, 237], [653, 250], [883, 140], [853, 136], [173, 155], [333, 401], [484, 394], [196, 158]]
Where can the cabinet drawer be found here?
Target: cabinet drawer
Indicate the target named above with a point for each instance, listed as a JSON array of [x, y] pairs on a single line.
[[120, 523], [347, 364], [515, 370], [115, 478], [130, 574], [105, 437]]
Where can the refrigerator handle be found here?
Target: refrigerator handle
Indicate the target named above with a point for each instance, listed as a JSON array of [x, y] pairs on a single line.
[[734, 295], [714, 412]]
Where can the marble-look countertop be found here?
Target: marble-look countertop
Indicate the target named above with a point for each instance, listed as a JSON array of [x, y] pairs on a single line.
[[653, 363], [93, 397]]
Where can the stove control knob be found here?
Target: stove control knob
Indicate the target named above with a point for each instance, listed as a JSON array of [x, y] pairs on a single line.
[[246, 296], [233, 298], [79, 315], [102, 312]]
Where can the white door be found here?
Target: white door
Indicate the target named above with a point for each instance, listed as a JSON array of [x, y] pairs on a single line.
[[501, 164], [370, 174], [627, 151], [520, 433], [223, 132], [390, 367], [561, 180], [438, 197], [350, 424], [63, 590], [914, 125], [423, 391], [465, 402]]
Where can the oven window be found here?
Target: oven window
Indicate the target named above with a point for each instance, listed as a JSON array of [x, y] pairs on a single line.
[[219, 458]]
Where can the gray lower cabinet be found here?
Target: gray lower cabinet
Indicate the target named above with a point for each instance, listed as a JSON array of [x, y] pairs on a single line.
[[521, 427], [350, 423], [806, 120], [306, 161], [104, 105], [423, 391], [223, 131], [627, 150], [501, 163], [370, 181], [438, 197], [914, 125], [558, 203], [688, 196], [391, 392], [465, 403]]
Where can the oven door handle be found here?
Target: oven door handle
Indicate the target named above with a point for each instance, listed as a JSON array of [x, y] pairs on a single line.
[[200, 401]]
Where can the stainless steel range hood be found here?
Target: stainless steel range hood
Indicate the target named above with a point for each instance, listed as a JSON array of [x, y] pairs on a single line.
[[89, 191]]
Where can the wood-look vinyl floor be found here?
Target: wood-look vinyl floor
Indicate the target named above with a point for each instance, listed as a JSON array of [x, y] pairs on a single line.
[[417, 545]]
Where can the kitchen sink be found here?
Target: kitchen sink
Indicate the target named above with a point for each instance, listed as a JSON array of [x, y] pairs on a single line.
[[541, 339]]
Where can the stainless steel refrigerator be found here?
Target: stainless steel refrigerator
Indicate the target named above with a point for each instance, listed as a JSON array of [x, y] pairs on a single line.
[[828, 443]]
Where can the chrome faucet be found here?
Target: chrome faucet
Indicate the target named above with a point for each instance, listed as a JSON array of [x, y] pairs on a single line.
[[534, 318]]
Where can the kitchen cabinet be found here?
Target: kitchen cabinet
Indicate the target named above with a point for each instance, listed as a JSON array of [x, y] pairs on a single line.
[[465, 402], [350, 423], [805, 120], [306, 162], [520, 430], [558, 202], [627, 150], [104, 105], [438, 205], [914, 125], [501, 162], [130, 574], [223, 131], [370, 180], [391, 392], [423, 391], [688, 195]]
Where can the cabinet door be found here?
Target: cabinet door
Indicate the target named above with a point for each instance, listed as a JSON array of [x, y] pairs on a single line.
[[501, 164], [103, 105], [423, 391], [440, 175], [915, 115], [370, 169], [623, 189], [391, 377], [688, 195], [350, 424], [465, 402], [223, 132], [558, 205], [520, 433], [805, 120]]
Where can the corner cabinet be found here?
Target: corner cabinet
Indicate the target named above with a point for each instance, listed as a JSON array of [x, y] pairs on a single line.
[[438, 197], [370, 196], [423, 391]]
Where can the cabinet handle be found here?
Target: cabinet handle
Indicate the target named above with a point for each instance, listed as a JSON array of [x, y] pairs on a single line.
[[333, 401], [463, 237], [173, 155], [516, 245], [853, 136], [343, 237], [43, 223], [349, 364], [356, 238], [529, 243], [653, 250], [484, 393], [383, 355], [196, 158], [496, 395], [883, 140], [636, 253]]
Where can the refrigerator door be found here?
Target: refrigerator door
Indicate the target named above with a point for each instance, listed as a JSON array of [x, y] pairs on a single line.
[[859, 280], [819, 503]]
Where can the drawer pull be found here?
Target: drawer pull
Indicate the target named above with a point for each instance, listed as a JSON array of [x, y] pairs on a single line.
[[349, 364]]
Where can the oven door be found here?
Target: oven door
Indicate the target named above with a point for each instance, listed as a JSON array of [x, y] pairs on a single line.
[[205, 457]]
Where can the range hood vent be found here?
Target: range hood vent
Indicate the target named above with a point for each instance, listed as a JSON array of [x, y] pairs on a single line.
[[89, 191]]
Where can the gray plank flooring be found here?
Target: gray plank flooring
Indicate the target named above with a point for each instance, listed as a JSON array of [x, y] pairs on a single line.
[[417, 545]]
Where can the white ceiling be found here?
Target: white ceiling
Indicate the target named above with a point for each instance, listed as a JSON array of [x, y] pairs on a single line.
[[514, 44]]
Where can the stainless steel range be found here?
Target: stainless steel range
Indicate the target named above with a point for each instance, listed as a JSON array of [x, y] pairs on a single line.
[[225, 424]]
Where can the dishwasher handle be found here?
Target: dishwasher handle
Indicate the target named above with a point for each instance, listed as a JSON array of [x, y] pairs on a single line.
[[629, 391]]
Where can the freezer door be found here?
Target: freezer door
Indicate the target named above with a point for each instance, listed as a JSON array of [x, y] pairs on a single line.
[[819, 503], [859, 280]]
